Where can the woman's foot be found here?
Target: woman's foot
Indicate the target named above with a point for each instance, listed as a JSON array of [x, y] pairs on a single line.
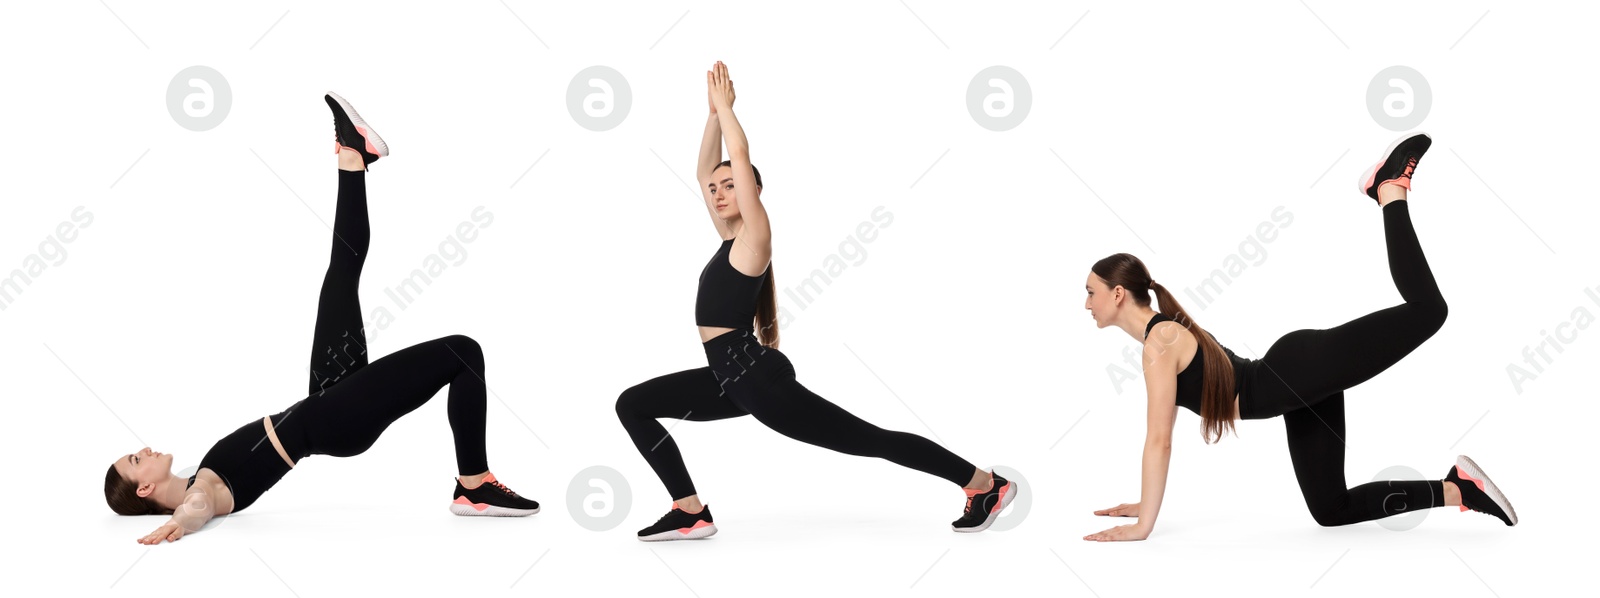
[[491, 499], [1396, 167], [985, 505], [349, 131], [679, 524], [1478, 493]]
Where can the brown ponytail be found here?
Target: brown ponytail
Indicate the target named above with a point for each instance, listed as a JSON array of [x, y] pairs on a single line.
[[767, 312], [1217, 408]]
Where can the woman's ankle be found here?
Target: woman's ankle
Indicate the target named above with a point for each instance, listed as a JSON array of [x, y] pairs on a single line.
[[982, 481], [690, 504], [351, 160], [1452, 494], [1390, 192]]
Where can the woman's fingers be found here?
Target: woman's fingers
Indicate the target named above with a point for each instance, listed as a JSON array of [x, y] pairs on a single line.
[[151, 538], [1112, 534], [1117, 511]]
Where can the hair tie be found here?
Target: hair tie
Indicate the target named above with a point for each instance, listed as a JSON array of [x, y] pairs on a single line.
[[1152, 283]]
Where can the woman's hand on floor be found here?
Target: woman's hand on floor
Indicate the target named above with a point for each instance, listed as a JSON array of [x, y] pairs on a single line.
[[1120, 533], [170, 531], [1122, 510]]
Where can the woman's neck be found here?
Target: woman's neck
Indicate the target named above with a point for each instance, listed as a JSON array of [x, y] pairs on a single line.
[[1135, 320], [170, 495]]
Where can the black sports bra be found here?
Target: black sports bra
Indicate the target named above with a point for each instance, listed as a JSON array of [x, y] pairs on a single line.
[[248, 463], [1190, 380], [727, 297]]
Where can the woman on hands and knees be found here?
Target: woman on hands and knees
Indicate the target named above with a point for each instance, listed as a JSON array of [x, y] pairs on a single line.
[[1302, 376]]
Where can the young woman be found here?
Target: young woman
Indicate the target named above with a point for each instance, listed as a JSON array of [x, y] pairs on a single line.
[[1302, 376], [736, 311], [351, 402]]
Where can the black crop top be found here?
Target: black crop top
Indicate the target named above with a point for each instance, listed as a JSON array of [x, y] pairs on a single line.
[[1190, 380], [248, 463], [727, 297]]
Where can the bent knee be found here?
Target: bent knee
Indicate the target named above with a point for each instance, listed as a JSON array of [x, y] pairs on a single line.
[[628, 403], [1327, 516], [464, 346]]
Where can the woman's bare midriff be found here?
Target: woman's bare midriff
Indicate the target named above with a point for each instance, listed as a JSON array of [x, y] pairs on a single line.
[[272, 434], [710, 332]]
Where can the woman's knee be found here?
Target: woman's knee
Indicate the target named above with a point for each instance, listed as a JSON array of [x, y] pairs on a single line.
[[465, 348], [1437, 310], [630, 404], [1327, 513]]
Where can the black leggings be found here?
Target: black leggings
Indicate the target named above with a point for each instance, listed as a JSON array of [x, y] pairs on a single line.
[[1303, 377], [746, 378], [352, 402]]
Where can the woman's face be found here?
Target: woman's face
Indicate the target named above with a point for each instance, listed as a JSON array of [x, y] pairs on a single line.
[[145, 467], [1101, 300], [722, 193]]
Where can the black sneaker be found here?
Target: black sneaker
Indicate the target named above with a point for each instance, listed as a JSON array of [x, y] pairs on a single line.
[[491, 499], [984, 507], [1398, 163], [1478, 493], [679, 524], [352, 132]]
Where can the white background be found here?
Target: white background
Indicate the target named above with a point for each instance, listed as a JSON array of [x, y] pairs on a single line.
[[185, 309]]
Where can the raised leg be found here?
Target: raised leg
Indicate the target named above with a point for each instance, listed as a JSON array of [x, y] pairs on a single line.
[[339, 345], [1304, 366]]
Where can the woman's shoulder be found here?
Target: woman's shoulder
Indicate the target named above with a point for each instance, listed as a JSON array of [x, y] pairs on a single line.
[[213, 484], [1167, 341]]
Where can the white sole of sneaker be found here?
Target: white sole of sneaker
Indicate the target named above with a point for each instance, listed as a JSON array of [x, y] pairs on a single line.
[[1367, 175], [355, 118], [672, 534], [1005, 501], [490, 511], [1472, 469]]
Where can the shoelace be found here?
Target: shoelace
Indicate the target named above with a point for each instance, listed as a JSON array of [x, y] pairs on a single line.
[[503, 487], [968, 508], [1411, 166], [676, 508]]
